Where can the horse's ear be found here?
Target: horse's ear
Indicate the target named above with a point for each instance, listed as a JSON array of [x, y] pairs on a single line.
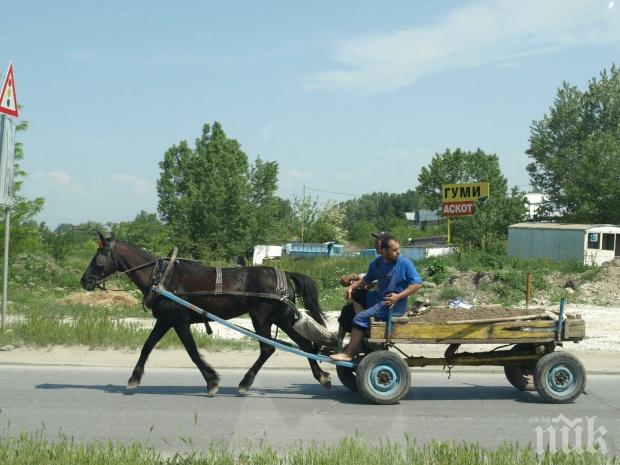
[[101, 238], [112, 237]]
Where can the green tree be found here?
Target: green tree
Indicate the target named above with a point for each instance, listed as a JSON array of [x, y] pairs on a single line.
[[488, 226], [575, 151], [146, 231], [459, 166], [211, 198], [379, 211], [25, 233]]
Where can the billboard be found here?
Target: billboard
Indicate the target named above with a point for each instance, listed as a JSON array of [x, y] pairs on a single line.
[[7, 148], [460, 199]]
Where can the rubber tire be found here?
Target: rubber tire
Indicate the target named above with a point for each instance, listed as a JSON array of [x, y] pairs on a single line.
[[518, 375], [392, 368], [347, 377], [555, 369]]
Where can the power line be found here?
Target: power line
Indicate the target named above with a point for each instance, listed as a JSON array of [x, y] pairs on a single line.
[[331, 192]]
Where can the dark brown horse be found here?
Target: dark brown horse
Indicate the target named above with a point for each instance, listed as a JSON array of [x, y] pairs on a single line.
[[190, 277]]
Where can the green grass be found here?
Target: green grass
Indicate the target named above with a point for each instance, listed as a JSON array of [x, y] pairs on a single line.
[[98, 331], [34, 450]]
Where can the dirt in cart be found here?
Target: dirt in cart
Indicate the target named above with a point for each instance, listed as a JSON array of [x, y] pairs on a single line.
[[443, 314]]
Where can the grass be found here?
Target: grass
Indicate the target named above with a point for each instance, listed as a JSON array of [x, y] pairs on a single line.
[[34, 450], [38, 283], [97, 331]]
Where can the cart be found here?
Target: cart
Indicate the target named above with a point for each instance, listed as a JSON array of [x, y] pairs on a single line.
[[526, 352], [382, 376]]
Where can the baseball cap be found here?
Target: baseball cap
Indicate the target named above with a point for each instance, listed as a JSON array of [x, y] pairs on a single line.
[[378, 234]]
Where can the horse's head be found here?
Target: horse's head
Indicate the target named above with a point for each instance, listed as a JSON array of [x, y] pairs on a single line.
[[102, 264]]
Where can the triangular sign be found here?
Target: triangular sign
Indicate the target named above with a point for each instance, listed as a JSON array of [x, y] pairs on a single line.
[[8, 99]]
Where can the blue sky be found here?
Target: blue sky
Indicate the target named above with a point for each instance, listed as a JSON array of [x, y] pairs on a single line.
[[350, 96]]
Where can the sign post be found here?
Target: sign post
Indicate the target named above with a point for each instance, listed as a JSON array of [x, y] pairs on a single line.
[[8, 106], [460, 199]]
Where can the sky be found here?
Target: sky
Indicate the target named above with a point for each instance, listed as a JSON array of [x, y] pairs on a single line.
[[349, 97]]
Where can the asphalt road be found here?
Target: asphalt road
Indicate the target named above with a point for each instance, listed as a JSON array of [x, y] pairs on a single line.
[[286, 407]]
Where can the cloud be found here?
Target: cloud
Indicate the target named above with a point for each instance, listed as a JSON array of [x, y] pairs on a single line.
[[136, 185], [57, 180], [481, 33]]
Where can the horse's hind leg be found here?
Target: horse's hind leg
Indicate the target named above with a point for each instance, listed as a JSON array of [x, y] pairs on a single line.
[[263, 328], [208, 373], [158, 331], [286, 323]]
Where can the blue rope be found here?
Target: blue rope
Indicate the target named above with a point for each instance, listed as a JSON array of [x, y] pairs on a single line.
[[277, 345]]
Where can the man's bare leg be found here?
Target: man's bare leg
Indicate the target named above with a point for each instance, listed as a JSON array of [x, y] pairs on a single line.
[[352, 349]]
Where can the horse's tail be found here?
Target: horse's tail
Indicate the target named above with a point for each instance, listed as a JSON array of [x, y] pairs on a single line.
[[306, 288]]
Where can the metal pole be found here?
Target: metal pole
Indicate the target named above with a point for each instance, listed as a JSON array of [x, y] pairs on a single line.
[[528, 290], [303, 201], [5, 267]]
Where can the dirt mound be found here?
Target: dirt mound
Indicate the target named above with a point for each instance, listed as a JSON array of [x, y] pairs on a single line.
[[606, 289], [443, 314], [102, 299]]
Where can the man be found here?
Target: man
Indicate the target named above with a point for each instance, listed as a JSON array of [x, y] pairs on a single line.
[[396, 278], [363, 297]]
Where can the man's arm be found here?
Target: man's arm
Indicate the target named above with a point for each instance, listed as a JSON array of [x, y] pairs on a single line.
[[355, 285], [391, 299]]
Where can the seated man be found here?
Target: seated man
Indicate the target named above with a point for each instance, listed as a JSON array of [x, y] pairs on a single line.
[[396, 278], [363, 297]]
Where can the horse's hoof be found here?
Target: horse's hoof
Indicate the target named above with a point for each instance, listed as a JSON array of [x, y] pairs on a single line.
[[243, 390], [325, 381], [212, 389], [133, 384]]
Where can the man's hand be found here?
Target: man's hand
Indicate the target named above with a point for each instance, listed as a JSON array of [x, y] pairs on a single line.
[[391, 299]]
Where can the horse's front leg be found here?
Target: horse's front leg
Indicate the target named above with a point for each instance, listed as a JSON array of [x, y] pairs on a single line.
[[158, 331], [208, 373], [263, 328]]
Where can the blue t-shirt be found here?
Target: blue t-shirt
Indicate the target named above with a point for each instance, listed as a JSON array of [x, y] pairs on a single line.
[[392, 277]]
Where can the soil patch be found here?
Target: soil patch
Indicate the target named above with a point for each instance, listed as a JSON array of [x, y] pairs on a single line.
[[443, 314], [102, 299]]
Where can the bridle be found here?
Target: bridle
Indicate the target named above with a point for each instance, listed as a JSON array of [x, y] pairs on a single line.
[[106, 253]]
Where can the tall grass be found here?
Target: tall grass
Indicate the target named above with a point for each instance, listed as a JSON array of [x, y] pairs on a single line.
[[34, 450]]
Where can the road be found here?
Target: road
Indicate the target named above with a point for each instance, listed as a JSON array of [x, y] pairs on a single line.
[[287, 407]]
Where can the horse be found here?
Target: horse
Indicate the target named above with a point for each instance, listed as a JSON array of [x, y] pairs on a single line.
[[190, 278]]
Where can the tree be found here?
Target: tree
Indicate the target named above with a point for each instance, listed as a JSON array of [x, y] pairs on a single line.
[[575, 151], [488, 226], [378, 211], [25, 232], [459, 166], [146, 231], [213, 202]]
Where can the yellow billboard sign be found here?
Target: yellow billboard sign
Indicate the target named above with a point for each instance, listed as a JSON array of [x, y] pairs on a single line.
[[464, 192]]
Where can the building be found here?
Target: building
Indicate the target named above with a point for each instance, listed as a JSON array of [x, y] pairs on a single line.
[[423, 218], [311, 250], [588, 243]]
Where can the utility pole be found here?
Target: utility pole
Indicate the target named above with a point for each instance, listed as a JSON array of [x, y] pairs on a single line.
[[303, 204]]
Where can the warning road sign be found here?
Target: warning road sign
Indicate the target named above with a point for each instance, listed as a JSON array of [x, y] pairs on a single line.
[[8, 99]]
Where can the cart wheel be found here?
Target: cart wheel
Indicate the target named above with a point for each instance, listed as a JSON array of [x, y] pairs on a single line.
[[559, 377], [347, 377], [519, 376], [383, 377]]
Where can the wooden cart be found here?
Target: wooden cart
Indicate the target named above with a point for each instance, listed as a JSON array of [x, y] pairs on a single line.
[[527, 353]]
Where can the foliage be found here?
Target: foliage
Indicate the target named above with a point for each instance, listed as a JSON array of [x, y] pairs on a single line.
[[215, 204], [319, 223], [488, 226], [25, 234], [145, 231], [575, 151], [379, 211]]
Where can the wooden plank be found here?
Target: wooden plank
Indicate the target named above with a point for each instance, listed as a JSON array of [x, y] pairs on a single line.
[[467, 332], [497, 320], [469, 341]]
